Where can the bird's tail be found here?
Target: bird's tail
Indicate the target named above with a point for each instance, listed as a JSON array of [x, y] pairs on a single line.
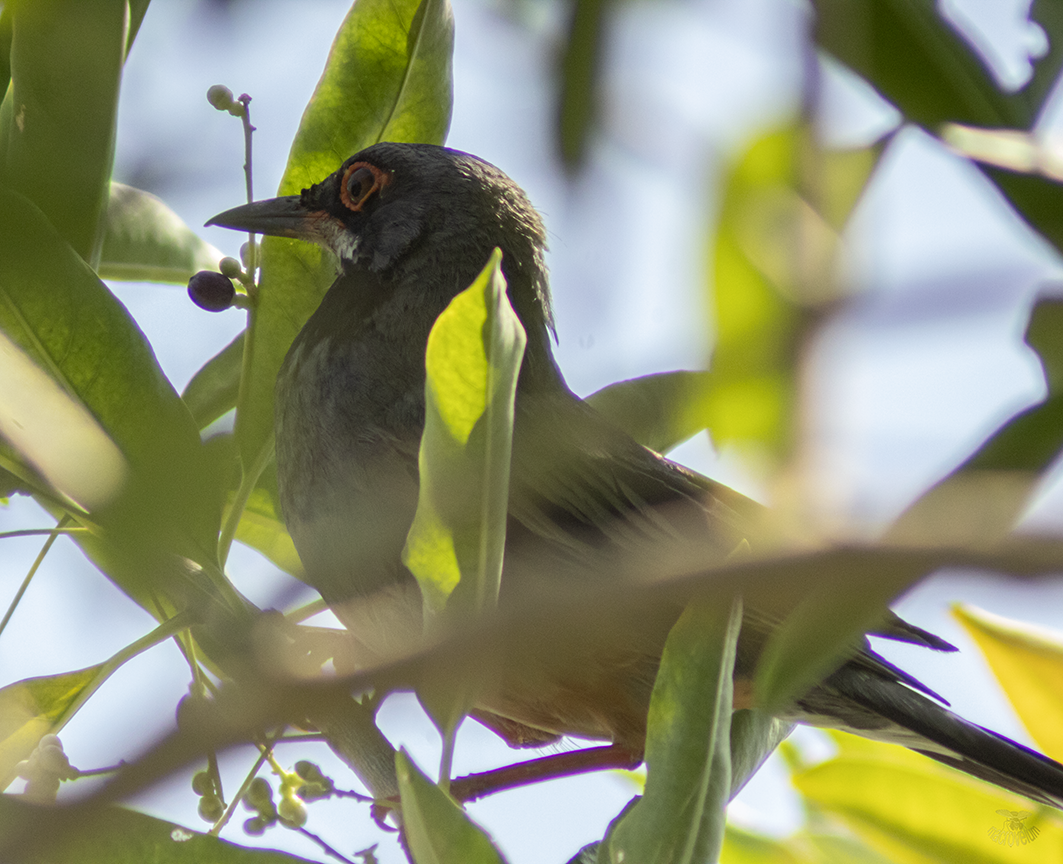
[[926, 727]]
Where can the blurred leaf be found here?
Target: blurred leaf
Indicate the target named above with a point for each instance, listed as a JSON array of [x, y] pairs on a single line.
[[1028, 663], [213, 390], [262, 528], [912, 809], [825, 628], [659, 411], [1048, 14], [388, 78], [113, 835], [58, 312], [137, 10], [774, 267], [754, 736], [1039, 200], [982, 498], [745, 847], [145, 241], [579, 73], [458, 533], [57, 121], [917, 61], [5, 48], [33, 708], [680, 818], [52, 431], [437, 829]]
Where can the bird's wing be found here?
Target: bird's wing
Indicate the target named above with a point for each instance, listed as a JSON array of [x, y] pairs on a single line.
[[586, 491]]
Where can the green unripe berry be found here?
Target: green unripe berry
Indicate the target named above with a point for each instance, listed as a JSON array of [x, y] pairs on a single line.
[[211, 808], [292, 811], [230, 268], [256, 826], [203, 783], [220, 97], [259, 796]]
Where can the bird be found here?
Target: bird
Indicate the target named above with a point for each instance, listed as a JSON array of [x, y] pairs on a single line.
[[411, 226]]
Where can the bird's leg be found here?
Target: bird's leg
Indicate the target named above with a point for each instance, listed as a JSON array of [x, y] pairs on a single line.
[[474, 786]]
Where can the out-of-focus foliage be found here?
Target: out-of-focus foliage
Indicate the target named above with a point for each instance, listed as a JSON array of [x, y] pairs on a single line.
[[172, 500]]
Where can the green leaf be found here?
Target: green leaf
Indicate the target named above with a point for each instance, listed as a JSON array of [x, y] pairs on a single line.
[[114, 835], [1038, 199], [754, 736], [826, 626], [1048, 14], [458, 532], [437, 829], [981, 500], [456, 542], [775, 264], [145, 241], [388, 78], [64, 320], [911, 809], [57, 122], [917, 61], [213, 390], [579, 73], [680, 818], [659, 411], [33, 708]]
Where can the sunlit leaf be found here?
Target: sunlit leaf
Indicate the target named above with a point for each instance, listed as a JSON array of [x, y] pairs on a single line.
[[55, 309], [437, 829], [145, 241], [456, 542], [472, 360], [57, 121], [33, 708], [1028, 663], [680, 818], [774, 264], [911, 809], [388, 78]]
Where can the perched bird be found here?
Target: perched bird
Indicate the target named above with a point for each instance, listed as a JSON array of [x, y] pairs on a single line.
[[411, 225]]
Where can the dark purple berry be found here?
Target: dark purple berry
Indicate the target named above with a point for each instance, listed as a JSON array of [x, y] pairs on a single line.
[[211, 291]]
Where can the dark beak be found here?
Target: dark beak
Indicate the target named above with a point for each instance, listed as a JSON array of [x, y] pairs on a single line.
[[280, 217]]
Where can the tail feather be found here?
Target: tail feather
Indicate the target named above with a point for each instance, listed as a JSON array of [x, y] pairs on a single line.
[[936, 732]]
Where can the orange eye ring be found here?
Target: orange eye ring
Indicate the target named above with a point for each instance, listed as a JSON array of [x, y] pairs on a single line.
[[360, 181]]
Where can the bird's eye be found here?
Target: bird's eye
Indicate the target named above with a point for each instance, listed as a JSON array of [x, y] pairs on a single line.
[[360, 181]]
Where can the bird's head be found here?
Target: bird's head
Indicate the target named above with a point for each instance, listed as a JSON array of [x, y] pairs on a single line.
[[404, 210]]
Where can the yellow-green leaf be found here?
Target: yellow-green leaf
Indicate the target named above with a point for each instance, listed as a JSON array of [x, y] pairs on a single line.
[[437, 829], [472, 361], [680, 818], [915, 811], [33, 708], [1028, 663]]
